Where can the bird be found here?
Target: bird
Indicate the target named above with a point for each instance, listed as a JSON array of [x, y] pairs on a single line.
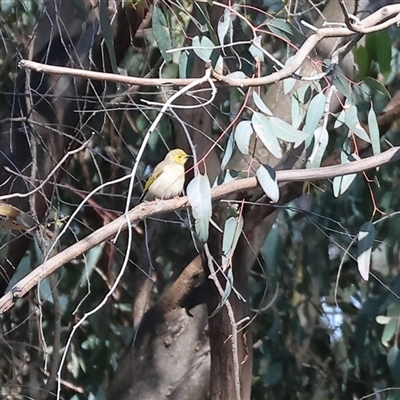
[[167, 178]]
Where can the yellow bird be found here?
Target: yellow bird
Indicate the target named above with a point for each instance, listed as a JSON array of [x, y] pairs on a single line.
[[168, 177]]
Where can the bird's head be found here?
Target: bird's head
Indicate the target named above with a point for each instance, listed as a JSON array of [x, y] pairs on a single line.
[[177, 156]]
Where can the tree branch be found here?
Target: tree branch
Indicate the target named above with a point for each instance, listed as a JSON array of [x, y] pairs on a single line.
[[369, 24], [146, 210]]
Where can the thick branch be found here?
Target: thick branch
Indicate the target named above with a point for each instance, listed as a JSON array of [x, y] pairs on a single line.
[[160, 207]]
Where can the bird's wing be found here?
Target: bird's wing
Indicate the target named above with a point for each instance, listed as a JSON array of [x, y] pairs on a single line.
[[155, 174]]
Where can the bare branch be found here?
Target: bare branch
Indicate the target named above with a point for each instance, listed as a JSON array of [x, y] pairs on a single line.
[[371, 23], [146, 210]]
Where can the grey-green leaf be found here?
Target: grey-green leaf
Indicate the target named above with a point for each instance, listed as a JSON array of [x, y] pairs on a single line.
[[265, 132], [258, 101], [203, 47], [236, 75], [297, 112], [243, 133], [321, 139], [353, 123], [199, 196], [224, 27], [161, 33], [267, 179], [283, 28], [376, 85], [315, 112], [107, 34], [374, 131], [366, 238], [232, 231], [255, 48], [228, 151], [284, 131], [227, 292]]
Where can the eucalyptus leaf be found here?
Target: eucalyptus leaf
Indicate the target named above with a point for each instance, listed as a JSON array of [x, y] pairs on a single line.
[[255, 49], [224, 27], [108, 35], [266, 177], [199, 195], [161, 33], [342, 183], [258, 101], [366, 238], [315, 112], [227, 292], [376, 85], [236, 75], [353, 123], [283, 28], [265, 132], [228, 151], [203, 47], [297, 112], [321, 139], [374, 131], [243, 132], [232, 230], [284, 131]]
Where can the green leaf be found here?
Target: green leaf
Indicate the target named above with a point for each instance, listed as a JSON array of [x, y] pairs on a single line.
[[393, 360], [382, 319], [107, 34], [343, 85], [254, 49], [161, 33], [202, 20], [203, 47], [228, 151], [342, 183], [376, 85], [379, 49], [232, 230], [91, 259], [227, 292], [366, 238], [315, 112], [321, 138], [297, 112], [282, 28], [199, 196], [289, 83], [363, 61], [392, 314], [264, 130], [258, 101], [224, 27], [284, 131], [374, 131], [237, 75], [353, 123], [303, 93], [24, 268], [243, 133], [273, 374], [266, 177]]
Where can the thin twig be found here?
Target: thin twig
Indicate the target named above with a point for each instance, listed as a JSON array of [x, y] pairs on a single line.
[[231, 316]]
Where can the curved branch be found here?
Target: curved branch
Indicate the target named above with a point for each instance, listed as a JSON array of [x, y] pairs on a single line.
[[146, 210], [369, 24]]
